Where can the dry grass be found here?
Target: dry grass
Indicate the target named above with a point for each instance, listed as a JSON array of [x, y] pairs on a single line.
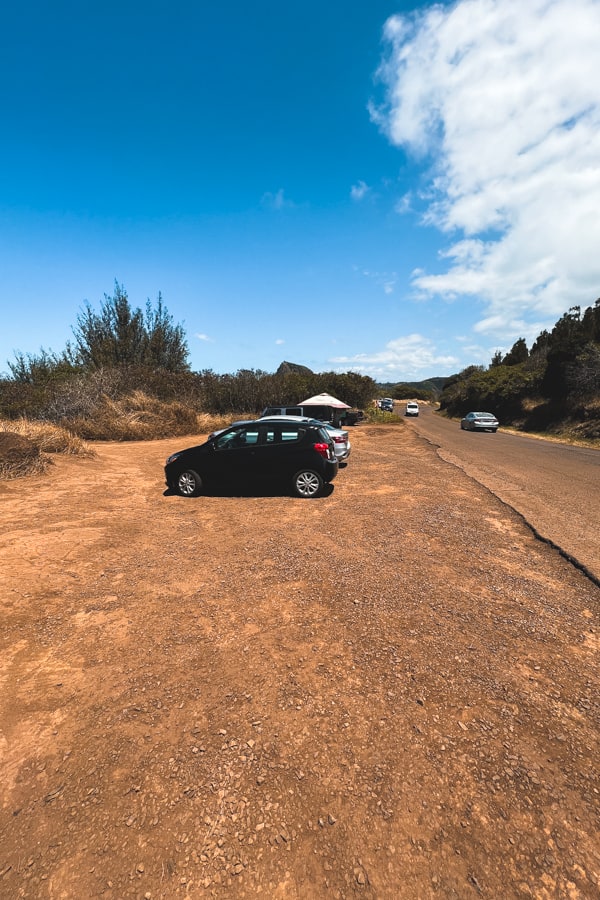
[[47, 437], [137, 417], [208, 422], [26, 445], [19, 456]]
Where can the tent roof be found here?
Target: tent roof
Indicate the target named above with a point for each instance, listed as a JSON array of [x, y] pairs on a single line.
[[324, 400]]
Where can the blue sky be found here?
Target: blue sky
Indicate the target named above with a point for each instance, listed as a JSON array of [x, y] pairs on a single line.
[[399, 189]]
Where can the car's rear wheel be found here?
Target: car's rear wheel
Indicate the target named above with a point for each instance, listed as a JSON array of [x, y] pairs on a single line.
[[307, 483], [189, 483]]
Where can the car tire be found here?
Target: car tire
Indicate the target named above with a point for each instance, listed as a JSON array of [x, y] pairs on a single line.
[[307, 483], [189, 483]]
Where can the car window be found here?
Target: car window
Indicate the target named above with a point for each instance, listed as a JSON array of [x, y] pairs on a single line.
[[241, 437], [291, 434], [224, 440]]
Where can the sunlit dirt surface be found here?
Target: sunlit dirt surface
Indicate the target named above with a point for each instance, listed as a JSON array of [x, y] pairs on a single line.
[[390, 691]]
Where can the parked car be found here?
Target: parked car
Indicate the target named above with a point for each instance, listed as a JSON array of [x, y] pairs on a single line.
[[341, 440], [311, 411], [412, 408], [479, 421], [386, 404], [297, 454], [352, 417], [339, 436]]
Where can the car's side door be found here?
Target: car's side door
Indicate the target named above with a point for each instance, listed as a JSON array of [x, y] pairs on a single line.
[[235, 456]]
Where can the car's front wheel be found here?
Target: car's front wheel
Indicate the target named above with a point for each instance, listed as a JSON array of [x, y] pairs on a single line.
[[307, 483], [189, 483]]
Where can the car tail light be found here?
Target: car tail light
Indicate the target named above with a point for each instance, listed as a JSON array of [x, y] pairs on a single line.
[[322, 449], [338, 439]]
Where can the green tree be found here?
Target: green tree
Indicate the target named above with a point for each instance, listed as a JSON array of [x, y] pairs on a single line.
[[43, 367], [119, 336], [517, 354]]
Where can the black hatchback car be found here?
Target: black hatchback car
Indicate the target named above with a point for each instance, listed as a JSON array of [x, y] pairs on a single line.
[[299, 455]]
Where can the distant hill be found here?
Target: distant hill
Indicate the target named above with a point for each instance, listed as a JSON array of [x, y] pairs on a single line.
[[417, 389], [286, 368]]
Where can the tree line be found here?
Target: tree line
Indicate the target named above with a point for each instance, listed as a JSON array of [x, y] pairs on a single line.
[[559, 375], [121, 349]]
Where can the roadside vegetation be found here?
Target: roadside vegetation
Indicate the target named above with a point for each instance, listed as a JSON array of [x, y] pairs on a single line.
[[126, 376], [552, 388]]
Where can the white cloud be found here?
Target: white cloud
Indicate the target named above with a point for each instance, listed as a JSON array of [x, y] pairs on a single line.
[[359, 191], [404, 204], [279, 341], [276, 201], [403, 359], [501, 100], [204, 337]]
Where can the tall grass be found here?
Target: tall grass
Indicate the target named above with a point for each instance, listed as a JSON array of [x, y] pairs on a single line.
[[135, 417], [48, 438], [26, 446]]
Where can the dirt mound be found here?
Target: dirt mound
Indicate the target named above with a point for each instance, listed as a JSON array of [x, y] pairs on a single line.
[[19, 456]]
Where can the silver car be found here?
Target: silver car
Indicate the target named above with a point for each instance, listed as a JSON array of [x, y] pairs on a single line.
[[479, 421], [341, 440]]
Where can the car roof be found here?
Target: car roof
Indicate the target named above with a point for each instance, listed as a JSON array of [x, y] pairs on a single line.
[[306, 420]]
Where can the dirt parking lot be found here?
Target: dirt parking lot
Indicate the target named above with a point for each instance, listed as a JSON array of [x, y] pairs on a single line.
[[389, 692]]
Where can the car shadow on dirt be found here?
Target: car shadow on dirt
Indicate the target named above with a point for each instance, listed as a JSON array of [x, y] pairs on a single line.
[[250, 491]]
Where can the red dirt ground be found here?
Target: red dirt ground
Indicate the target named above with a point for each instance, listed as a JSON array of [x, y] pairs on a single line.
[[388, 692]]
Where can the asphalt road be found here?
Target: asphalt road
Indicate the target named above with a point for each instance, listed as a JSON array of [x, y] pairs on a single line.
[[555, 487]]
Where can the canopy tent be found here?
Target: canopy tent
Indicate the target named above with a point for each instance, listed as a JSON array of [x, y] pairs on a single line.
[[324, 400]]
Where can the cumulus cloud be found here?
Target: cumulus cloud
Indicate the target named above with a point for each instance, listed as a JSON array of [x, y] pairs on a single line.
[[359, 191], [404, 358], [500, 102]]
